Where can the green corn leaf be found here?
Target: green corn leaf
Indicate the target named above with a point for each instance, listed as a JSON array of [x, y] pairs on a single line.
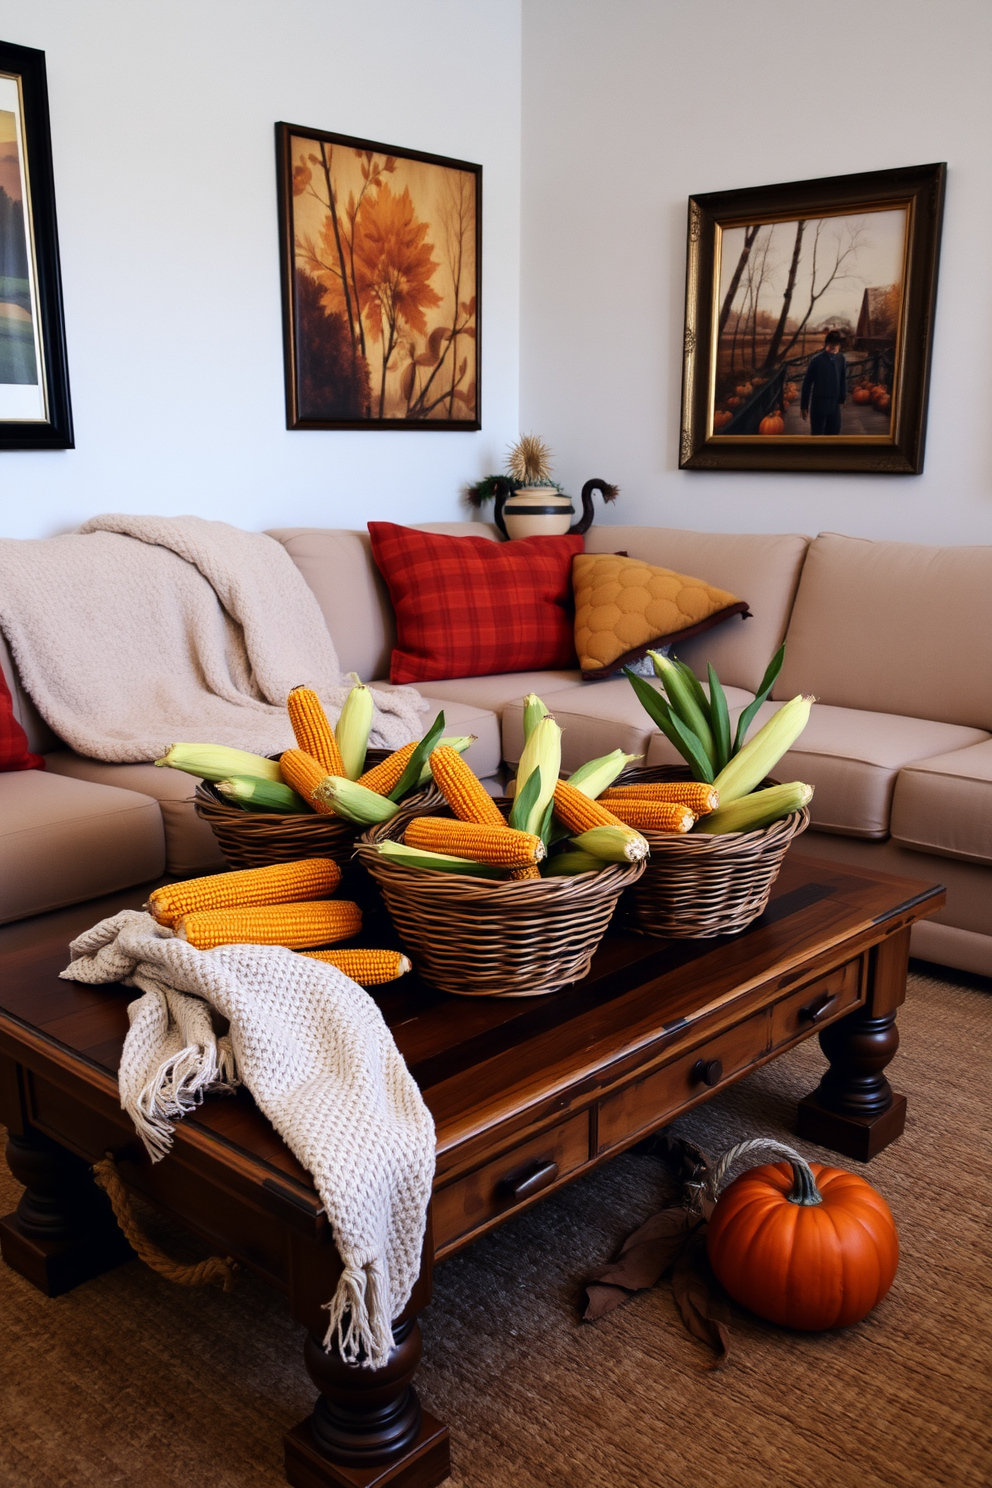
[[685, 741], [696, 688], [767, 683], [545, 832], [525, 798], [417, 760], [720, 716]]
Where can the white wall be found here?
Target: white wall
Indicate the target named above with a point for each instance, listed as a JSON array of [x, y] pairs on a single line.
[[631, 105], [164, 153]]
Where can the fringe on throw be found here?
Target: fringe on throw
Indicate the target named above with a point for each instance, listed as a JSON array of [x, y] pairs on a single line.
[[359, 1321], [178, 1086]]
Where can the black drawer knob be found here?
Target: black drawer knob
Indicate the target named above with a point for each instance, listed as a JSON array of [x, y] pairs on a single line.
[[707, 1071], [531, 1181]]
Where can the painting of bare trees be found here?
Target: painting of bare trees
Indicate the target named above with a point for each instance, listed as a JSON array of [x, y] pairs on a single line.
[[381, 263], [794, 292]]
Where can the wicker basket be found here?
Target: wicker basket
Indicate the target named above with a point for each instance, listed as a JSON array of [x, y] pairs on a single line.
[[481, 938], [696, 886], [253, 839]]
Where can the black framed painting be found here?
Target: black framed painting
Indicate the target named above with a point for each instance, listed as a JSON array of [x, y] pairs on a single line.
[[809, 323], [381, 260], [35, 412]]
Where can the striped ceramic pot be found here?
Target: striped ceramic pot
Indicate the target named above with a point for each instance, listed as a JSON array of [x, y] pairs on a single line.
[[538, 511]]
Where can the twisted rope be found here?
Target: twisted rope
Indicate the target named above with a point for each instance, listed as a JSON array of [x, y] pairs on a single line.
[[215, 1268]]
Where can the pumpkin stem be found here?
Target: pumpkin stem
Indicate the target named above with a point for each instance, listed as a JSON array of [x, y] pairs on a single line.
[[804, 1189]]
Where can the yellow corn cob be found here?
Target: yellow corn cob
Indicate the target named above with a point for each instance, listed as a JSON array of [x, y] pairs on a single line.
[[578, 811], [655, 816], [408, 857], [354, 724], [279, 883], [304, 774], [696, 794], [382, 777], [317, 922], [759, 809], [759, 755], [353, 801], [367, 968], [541, 753], [312, 730], [614, 844], [531, 871], [464, 793], [217, 762], [593, 778], [500, 845]]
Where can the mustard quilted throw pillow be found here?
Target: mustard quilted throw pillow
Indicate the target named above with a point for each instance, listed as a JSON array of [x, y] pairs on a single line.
[[624, 608]]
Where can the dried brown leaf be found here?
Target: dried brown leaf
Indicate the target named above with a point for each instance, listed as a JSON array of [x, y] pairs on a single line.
[[645, 1257], [704, 1311]]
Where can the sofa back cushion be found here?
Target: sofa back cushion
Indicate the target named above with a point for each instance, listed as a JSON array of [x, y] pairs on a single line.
[[893, 628], [339, 567], [761, 569]]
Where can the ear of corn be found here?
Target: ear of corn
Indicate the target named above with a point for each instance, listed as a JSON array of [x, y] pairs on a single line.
[[568, 864], [654, 816], [382, 777], [217, 762], [353, 801], [312, 730], [595, 776], [682, 696], [720, 718], [577, 811], [459, 742], [261, 795], [352, 732], [367, 968], [410, 857], [541, 753], [614, 844], [531, 871], [761, 754], [501, 846], [671, 725], [460, 787], [534, 711], [304, 774], [696, 794], [278, 883], [299, 926], [759, 809]]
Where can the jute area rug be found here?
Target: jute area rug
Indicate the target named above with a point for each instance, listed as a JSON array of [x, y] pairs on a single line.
[[128, 1381]]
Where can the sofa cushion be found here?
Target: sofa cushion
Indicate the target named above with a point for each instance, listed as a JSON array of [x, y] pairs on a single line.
[[190, 845], [62, 841], [944, 804], [852, 758], [623, 606], [895, 628], [495, 692], [595, 718], [466, 607], [764, 568]]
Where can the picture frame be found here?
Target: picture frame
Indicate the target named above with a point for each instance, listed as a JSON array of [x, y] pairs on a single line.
[[35, 408], [381, 265], [774, 275]]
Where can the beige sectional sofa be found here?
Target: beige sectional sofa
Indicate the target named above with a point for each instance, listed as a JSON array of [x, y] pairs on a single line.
[[893, 639]]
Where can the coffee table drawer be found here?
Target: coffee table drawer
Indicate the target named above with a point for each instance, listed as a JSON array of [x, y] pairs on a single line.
[[501, 1186], [818, 1002], [648, 1102]]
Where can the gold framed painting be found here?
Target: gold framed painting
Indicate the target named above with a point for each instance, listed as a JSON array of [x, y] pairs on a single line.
[[381, 274], [34, 381], [808, 329]]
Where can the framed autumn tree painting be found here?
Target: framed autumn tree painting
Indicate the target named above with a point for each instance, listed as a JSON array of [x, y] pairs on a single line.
[[809, 323], [381, 266]]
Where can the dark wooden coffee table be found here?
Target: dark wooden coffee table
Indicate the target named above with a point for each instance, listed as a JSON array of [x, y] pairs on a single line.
[[526, 1095]]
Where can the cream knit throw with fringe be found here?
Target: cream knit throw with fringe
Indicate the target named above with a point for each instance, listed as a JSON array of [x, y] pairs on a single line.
[[315, 1052], [138, 632]]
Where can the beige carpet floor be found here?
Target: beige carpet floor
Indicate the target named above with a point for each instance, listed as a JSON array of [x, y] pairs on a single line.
[[127, 1381]]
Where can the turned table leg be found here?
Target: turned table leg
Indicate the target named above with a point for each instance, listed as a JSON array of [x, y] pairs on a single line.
[[855, 1110], [63, 1231]]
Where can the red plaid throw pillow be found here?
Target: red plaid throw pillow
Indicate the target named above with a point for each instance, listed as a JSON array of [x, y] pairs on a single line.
[[14, 751], [468, 607]]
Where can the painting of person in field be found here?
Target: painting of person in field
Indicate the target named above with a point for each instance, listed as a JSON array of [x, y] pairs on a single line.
[[385, 308], [18, 364], [808, 318]]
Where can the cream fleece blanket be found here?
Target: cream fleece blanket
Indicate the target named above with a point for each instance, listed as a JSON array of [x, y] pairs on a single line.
[[138, 632], [315, 1052]]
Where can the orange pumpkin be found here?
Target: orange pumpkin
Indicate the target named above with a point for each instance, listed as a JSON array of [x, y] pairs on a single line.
[[772, 424], [734, 402], [802, 1244], [880, 398], [721, 419], [861, 395], [745, 390]]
